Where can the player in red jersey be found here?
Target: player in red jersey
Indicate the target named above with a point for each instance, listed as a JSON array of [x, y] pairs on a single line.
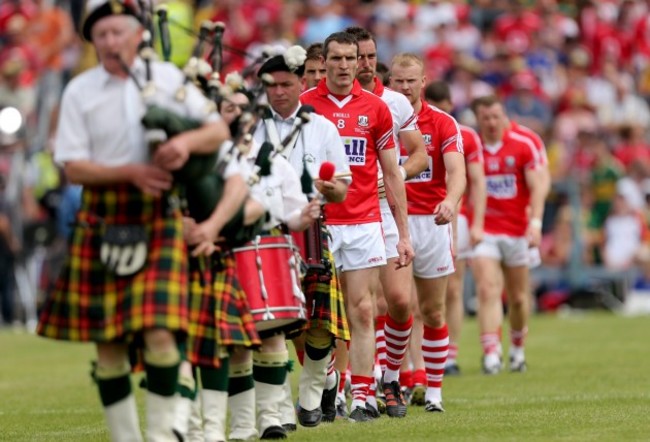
[[469, 223], [365, 125], [432, 199], [394, 319], [511, 227]]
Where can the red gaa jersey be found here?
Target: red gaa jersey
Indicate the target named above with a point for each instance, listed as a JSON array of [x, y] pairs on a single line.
[[441, 135], [508, 195], [366, 126], [473, 148]]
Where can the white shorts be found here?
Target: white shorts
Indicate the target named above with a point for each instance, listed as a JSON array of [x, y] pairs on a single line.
[[357, 246], [511, 250], [534, 258], [463, 245], [391, 236], [432, 244]]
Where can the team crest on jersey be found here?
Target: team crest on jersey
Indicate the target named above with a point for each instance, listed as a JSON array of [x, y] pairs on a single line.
[[493, 164], [510, 161], [363, 121], [427, 138], [355, 149]]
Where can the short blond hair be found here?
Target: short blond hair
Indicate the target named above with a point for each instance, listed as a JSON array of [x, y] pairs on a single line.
[[406, 59]]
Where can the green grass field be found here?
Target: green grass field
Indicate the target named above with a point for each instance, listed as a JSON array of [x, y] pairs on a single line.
[[588, 379]]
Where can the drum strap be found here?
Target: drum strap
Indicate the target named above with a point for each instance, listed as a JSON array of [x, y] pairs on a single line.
[[273, 136]]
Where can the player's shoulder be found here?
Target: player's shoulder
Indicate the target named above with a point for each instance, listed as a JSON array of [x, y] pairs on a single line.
[[517, 139]]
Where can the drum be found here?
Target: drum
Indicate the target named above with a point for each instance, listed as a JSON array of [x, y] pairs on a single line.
[[268, 271], [310, 245]]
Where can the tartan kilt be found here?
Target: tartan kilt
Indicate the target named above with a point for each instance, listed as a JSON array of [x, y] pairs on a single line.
[[219, 316], [326, 297], [89, 302]]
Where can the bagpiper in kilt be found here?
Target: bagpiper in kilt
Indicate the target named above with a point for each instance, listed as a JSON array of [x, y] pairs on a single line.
[[317, 143], [125, 279]]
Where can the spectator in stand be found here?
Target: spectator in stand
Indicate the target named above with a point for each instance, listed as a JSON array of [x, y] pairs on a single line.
[[324, 17], [577, 116], [624, 233], [633, 146], [604, 176], [465, 83], [628, 109], [556, 245], [515, 27], [525, 105]]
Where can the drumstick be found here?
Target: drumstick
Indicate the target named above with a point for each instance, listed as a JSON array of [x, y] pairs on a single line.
[[327, 172]]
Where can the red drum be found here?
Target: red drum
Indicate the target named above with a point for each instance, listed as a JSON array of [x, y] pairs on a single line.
[[268, 271], [310, 244]]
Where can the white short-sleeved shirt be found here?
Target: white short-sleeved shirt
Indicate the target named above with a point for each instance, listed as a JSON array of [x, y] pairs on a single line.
[[318, 141], [100, 118]]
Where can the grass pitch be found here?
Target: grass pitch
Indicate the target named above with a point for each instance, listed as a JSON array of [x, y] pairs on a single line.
[[588, 379]]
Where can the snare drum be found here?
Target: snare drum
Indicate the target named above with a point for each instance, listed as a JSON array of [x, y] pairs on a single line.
[[268, 271]]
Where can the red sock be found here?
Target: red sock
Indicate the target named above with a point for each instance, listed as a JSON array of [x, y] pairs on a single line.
[[360, 387], [406, 378], [344, 375], [301, 356], [490, 343], [435, 347], [453, 351], [380, 341], [420, 377], [397, 339], [517, 337]]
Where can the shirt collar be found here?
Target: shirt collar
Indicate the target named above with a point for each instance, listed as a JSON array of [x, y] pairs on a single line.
[[290, 119], [137, 69], [322, 88], [379, 88]]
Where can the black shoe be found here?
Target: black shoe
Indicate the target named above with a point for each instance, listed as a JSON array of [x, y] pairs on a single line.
[[328, 402], [395, 404], [434, 407], [289, 427], [452, 370], [308, 418], [372, 411], [274, 432], [360, 414]]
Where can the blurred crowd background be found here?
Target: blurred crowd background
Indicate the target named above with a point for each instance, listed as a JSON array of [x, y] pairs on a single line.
[[577, 72]]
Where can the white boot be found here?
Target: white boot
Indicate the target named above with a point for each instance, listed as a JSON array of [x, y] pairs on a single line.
[[160, 417], [214, 414], [195, 423], [312, 382], [267, 399], [182, 416], [287, 410], [242, 415], [122, 420]]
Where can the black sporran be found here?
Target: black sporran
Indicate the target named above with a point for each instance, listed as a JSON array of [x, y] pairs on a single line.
[[124, 249]]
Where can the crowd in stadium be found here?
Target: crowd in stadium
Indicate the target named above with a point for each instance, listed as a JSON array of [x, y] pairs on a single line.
[[576, 72]]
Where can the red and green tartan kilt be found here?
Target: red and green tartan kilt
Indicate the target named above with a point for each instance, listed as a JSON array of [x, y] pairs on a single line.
[[89, 302], [219, 314], [326, 298]]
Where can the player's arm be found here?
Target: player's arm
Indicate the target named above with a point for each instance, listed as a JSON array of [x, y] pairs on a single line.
[[456, 183], [396, 195], [478, 199], [417, 154], [537, 196]]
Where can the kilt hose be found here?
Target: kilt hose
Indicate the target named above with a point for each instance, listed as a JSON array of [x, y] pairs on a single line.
[[89, 302], [219, 315], [325, 304]]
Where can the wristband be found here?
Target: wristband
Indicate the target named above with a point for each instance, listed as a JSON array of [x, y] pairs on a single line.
[[403, 172], [536, 223]]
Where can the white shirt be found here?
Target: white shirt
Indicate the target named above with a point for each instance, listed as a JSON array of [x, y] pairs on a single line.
[[100, 114], [280, 192], [318, 141]]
